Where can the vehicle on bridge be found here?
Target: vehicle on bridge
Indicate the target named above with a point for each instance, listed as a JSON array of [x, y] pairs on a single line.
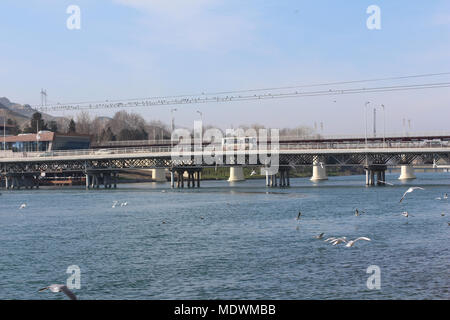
[[239, 143]]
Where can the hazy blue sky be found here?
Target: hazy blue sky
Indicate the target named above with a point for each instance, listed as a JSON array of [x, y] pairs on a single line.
[[138, 48]]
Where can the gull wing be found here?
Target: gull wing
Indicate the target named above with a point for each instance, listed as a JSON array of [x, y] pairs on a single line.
[[362, 238], [68, 293]]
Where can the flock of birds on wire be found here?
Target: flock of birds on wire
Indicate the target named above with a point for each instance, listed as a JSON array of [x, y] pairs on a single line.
[[331, 240]]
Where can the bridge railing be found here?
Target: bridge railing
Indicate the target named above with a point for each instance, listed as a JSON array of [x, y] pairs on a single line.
[[167, 150]]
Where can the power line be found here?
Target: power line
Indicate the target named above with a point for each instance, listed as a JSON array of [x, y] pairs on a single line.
[[203, 94], [221, 98]]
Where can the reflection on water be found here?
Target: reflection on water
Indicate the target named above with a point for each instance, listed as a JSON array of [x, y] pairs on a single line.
[[222, 242]]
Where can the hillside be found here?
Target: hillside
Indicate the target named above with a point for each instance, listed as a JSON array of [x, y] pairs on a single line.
[[21, 113]]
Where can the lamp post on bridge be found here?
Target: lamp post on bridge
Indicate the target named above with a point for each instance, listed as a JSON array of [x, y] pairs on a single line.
[[172, 127], [365, 114], [384, 125]]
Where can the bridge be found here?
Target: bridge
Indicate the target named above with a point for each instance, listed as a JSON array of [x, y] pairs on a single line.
[[185, 162]]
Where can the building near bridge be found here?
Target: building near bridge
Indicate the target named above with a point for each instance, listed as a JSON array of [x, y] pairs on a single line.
[[5, 129], [45, 141]]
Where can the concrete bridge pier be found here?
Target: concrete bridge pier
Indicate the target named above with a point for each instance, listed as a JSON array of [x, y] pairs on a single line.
[[407, 173], [159, 175], [236, 174], [319, 170]]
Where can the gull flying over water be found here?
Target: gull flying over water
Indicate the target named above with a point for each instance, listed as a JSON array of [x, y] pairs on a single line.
[[253, 173], [406, 214], [23, 206], [388, 183], [60, 288], [298, 217], [352, 242], [409, 191], [357, 212], [320, 236]]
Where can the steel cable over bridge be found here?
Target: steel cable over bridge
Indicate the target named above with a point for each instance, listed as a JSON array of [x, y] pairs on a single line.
[[102, 166]]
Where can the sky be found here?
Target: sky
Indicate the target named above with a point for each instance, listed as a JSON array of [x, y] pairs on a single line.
[[143, 48]]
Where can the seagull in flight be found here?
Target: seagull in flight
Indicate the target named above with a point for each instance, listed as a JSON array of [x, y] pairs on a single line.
[[357, 212], [253, 173], [409, 191], [388, 183], [23, 206], [320, 236], [406, 214], [60, 288], [298, 217], [352, 242], [336, 241]]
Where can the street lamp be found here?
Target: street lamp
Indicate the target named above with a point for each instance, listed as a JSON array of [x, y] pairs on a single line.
[[172, 125], [384, 125], [365, 113], [4, 129], [201, 115]]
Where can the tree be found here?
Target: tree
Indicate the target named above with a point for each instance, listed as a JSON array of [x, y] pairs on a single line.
[[36, 124], [15, 130], [53, 126], [72, 126], [84, 123], [107, 135]]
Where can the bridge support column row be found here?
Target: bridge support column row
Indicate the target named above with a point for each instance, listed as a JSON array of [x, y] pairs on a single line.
[[375, 174], [283, 174], [18, 181], [95, 179], [193, 176]]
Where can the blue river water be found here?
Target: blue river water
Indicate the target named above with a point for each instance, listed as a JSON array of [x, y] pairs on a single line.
[[225, 241]]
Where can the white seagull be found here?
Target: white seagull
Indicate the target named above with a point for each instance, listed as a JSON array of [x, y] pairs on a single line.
[[253, 173], [320, 236], [23, 206], [406, 214], [384, 182], [60, 288], [124, 204], [115, 204], [409, 191], [352, 242], [334, 241]]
